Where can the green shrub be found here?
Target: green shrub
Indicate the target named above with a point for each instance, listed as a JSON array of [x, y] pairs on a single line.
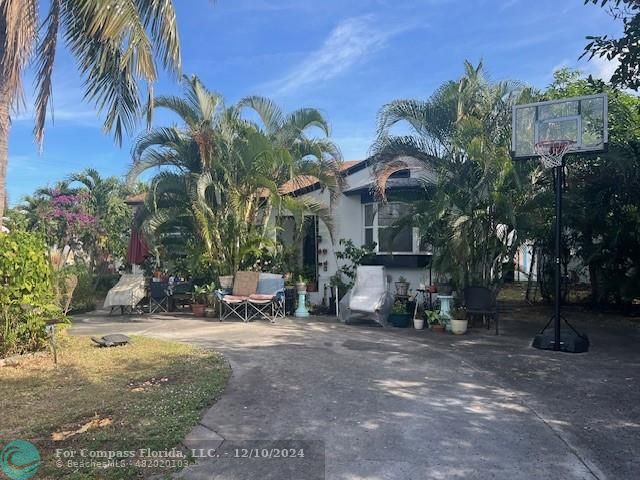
[[84, 296], [27, 296]]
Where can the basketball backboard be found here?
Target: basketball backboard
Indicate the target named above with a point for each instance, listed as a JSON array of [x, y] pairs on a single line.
[[579, 120]]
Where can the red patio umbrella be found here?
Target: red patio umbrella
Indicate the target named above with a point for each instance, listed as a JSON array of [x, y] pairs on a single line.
[[138, 248]]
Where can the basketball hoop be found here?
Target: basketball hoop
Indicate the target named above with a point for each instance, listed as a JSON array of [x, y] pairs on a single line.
[[552, 152]]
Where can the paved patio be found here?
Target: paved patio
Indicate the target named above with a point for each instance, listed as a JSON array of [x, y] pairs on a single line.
[[400, 404]]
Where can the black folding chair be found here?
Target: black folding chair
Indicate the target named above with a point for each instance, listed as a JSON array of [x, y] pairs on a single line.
[[481, 301], [158, 297], [182, 295]]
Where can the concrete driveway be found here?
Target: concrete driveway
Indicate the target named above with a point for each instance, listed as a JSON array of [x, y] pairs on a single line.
[[391, 404]]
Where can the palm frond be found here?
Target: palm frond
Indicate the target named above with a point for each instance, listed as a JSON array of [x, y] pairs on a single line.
[[267, 110], [19, 22]]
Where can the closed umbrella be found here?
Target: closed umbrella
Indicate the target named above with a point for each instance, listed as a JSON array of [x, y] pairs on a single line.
[[138, 248]]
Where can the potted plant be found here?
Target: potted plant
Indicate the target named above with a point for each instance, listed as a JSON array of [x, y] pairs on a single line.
[[418, 323], [200, 295], [459, 321], [444, 287], [399, 316], [402, 287], [312, 282], [336, 281], [301, 284], [435, 320]]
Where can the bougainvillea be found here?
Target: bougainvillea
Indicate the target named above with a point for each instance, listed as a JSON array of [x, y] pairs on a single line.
[[71, 212]]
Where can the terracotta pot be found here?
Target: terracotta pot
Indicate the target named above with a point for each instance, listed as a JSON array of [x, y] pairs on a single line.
[[437, 328], [198, 309]]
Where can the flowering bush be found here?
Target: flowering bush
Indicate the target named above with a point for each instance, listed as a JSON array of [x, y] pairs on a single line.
[[71, 211]]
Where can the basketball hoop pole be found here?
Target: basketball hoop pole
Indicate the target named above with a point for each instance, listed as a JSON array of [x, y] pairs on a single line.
[[552, 155], [559, 170]]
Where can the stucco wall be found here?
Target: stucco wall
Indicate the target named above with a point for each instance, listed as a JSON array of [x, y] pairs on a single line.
[[349, 224]]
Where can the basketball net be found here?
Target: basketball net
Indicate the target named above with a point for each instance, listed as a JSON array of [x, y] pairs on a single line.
[[552, 152]]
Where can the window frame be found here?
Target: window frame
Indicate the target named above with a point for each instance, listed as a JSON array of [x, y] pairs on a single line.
[[375, 228]]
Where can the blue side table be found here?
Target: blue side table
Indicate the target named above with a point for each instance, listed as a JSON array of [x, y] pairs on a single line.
[[302, 311], [445, 308]]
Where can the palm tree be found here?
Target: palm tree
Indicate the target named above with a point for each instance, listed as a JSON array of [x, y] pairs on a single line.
[[114, 43], [106, 198], [459, 144], [222, 173]]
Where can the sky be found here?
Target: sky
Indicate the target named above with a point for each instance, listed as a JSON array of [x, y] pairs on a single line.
[[347, 58]]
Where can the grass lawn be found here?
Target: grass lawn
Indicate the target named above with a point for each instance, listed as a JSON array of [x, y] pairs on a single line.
[[148, 394]]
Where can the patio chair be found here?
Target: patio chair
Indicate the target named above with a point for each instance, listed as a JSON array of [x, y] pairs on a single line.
[[235, 304], [268, 302], [481, 301], [158, 297], [182, 295], [370, 296], [126, 294]]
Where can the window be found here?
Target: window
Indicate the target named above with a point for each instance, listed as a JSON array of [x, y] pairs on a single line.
[[379, 220]]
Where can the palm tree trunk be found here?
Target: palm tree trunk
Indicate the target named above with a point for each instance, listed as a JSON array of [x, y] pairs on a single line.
[[5, 124]]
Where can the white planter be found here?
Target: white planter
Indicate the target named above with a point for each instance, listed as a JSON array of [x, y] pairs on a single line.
[[418, 323], [301, 287], [458, 326]]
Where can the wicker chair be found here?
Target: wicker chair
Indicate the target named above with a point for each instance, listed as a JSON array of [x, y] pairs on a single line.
[[481, 301]]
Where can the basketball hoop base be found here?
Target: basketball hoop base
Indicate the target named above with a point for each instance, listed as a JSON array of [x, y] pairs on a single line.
[[570, 340]]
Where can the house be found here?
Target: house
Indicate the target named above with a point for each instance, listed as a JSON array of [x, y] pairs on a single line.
[[358, 215]]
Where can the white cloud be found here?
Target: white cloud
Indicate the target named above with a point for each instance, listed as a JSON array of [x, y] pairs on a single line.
[[597, 67], [602, 68], [350, 42], [67, 103]]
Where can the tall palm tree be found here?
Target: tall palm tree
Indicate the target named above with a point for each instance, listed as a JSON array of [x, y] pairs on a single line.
[[115, 43], [222, 173], [459, 142]]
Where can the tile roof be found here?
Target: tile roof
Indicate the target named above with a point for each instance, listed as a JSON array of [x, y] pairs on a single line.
[[291, 186], [304, 181], [136, 199]]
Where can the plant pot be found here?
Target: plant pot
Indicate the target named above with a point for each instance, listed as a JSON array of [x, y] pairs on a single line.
[[458, 327], [437, 328], [418, 323], [312, 286], [433, 289], [301, 287], [198, 309], [402, 288], [400, 320]]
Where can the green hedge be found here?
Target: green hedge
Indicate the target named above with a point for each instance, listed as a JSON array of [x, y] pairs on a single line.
[[27, 297]]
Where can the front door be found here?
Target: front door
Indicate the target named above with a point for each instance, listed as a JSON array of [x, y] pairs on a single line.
[[310, 251]]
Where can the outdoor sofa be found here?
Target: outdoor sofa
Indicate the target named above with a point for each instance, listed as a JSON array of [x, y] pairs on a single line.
[[253, 295]]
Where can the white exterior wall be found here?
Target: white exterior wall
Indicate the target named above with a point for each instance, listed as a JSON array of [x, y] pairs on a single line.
[[349, 224]]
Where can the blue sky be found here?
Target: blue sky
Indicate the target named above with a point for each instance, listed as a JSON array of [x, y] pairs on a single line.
[[345, 57]]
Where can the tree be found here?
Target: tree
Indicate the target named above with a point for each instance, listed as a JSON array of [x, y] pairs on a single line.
[[221, 173], [106, 203], [114, 42], [602, 217], [626, 48], [458, 144], [86, 212]]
